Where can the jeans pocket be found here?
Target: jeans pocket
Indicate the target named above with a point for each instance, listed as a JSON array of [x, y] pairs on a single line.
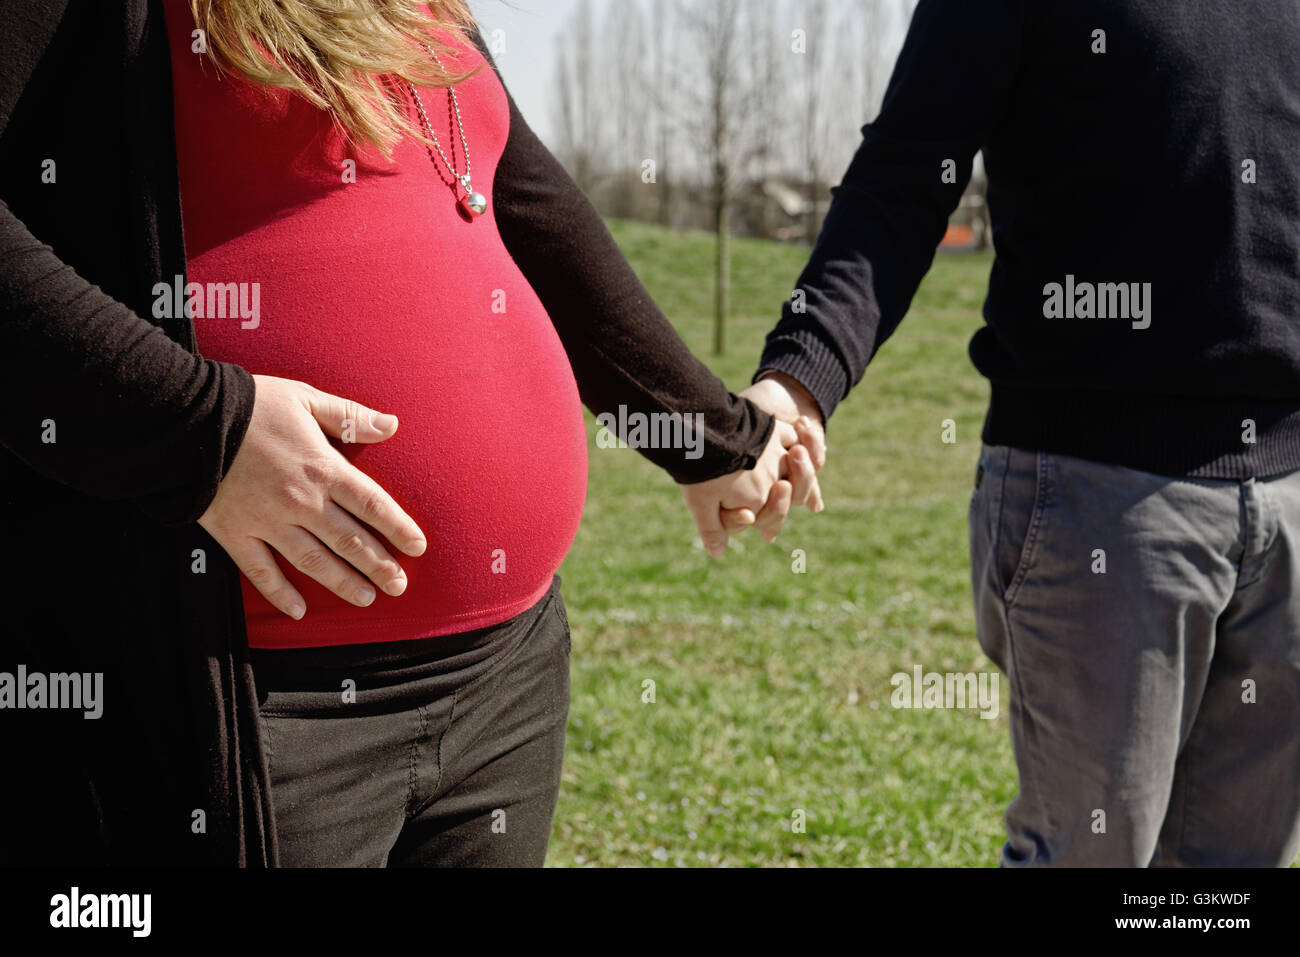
[[1021, 515], [265, 724], [563, 614], [978, 484], [531, 627]]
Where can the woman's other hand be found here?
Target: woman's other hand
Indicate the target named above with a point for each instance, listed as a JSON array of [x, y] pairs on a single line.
[[759, 496]]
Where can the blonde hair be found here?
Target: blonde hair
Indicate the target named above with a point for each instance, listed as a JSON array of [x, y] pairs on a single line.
[[350, 57]]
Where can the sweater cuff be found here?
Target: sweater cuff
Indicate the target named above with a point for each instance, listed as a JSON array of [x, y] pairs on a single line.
[[805, 356], [235, 392], [737, 451]]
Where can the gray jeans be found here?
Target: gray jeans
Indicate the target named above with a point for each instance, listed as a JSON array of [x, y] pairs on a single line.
[[1149, 629], [448, 755]]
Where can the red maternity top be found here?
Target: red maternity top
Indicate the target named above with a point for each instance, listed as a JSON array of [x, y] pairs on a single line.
[[376, 290]]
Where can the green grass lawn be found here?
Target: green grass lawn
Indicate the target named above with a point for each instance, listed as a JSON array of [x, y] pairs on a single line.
[[772, 690]]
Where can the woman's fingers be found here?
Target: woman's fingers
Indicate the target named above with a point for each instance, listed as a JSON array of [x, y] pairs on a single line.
[[736, 520], [703, 503], [356, 546], [314, 559], [349, 421], [362, 496], [759, 497], [322, 562], [257, 563]]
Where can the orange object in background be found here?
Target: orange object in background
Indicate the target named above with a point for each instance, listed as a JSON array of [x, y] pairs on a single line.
[[963, 236]]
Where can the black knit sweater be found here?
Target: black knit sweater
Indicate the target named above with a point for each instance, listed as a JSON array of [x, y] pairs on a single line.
[[1149, 146]]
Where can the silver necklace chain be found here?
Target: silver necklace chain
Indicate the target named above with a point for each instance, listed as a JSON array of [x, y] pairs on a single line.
[[424, 117]]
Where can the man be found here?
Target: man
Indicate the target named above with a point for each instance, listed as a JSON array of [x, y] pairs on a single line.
[[1135, 528]]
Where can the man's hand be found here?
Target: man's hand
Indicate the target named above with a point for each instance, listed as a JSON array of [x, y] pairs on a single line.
[[760, 496], [290, 490], [788, 401]]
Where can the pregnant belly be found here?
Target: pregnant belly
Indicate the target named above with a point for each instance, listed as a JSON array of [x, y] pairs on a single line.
[[371, 286], [490, 459]]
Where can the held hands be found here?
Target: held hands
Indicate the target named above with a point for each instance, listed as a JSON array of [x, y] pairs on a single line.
[[785, 476]]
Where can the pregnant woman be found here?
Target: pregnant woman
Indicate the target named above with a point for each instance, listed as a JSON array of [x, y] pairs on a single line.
[[358, 381]]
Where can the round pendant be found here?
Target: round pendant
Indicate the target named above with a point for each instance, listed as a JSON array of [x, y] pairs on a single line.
[[473, 205]]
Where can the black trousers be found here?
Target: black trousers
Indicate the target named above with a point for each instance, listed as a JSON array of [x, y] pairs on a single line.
[[443, 752]]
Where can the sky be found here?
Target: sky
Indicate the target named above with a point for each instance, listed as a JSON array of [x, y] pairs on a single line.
[[528, 63], [531, 29]]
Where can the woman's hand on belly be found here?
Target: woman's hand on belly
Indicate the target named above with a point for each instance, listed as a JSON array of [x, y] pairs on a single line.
[[288, 489]]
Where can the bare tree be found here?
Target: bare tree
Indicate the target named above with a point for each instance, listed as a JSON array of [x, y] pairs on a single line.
[[721, 116], [768, 78], [881, 34], [662, 96], [577, 114], [713, 92], [849, 81], [631, 110], [814, 68]]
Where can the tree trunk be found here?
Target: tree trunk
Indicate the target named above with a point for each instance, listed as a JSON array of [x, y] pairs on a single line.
[[722, 297], [665, 187], [811, 225]]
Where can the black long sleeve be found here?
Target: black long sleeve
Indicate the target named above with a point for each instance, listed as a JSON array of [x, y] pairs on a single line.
[[1144, 195], [136, 417], [623, 350], [891, 209], [145, 430]]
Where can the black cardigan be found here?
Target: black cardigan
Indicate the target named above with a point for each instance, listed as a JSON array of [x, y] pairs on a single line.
[[105, 569]]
